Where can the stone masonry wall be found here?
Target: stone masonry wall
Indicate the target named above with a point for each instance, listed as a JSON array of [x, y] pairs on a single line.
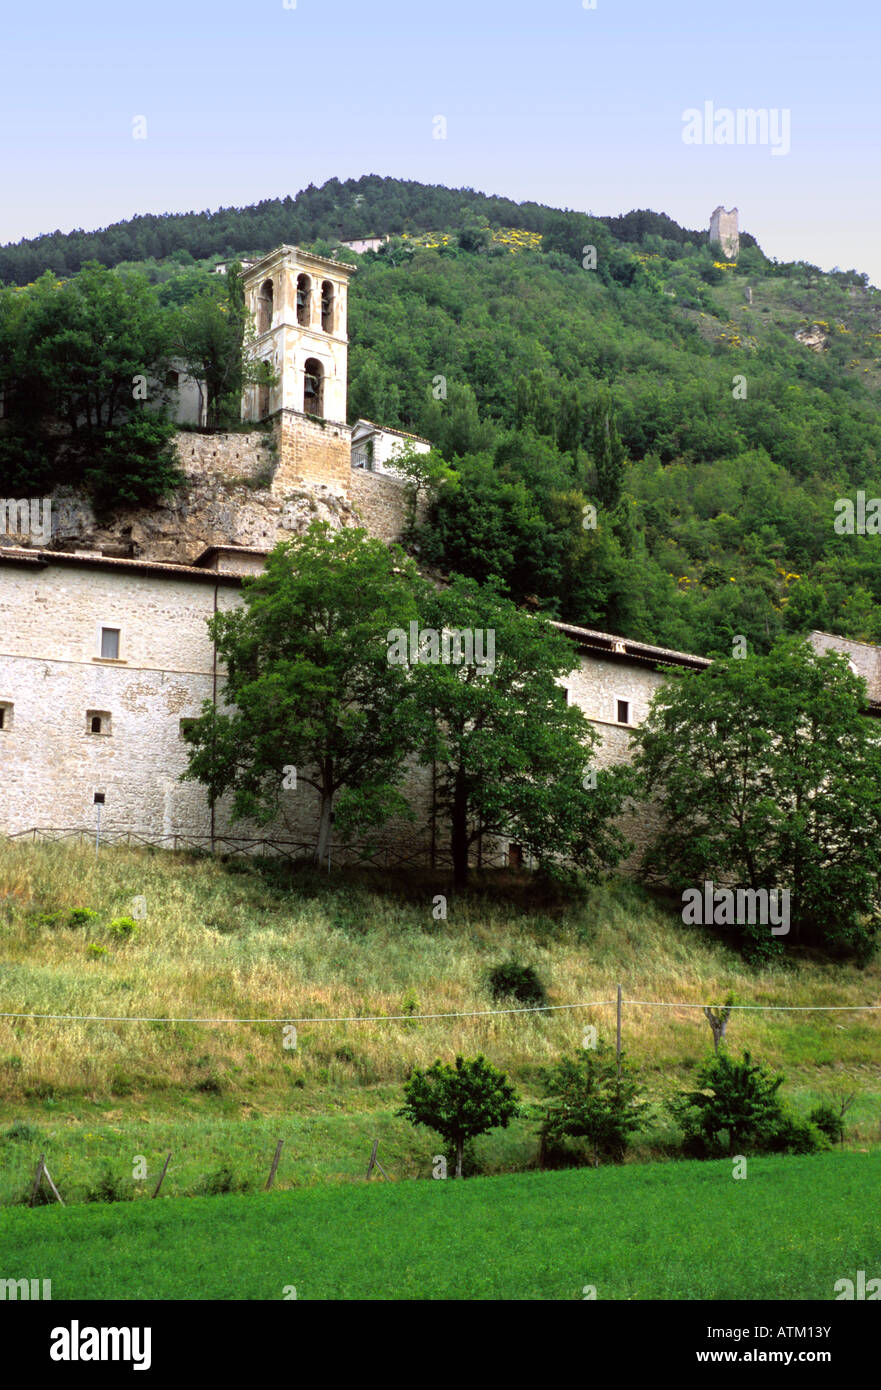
[[232, 496], [311, 452], [596, 687], [380, 501], [52, 677], [227, 457]]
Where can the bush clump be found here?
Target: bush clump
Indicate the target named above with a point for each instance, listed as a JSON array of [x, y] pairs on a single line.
[[588, 1099], [220, 1182], [122, 928], [829, 1117], [81, 916], [110, 1188], [513, 980], [736, 1109], [77, 917]]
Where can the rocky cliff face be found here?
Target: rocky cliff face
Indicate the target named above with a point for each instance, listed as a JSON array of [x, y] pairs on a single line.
[[228, 499]]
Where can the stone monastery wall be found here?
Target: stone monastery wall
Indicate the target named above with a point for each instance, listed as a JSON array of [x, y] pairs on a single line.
[[54, 683]]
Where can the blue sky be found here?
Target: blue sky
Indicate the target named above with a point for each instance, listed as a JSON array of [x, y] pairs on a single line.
[[547, 101]]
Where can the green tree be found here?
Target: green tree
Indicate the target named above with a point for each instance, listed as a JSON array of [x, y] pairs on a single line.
[[460, 1102], [80, 363], [426, 474], [511, 755], [589, 1097], [214, 337], [474, 232], [607, 451], [309, 685], [134, 462], [96, 338], [735, 1108], [768, 775]]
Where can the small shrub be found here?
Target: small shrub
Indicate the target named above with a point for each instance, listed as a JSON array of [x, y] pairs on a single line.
[[511, 980], [210, 1085], [96, 951], [757, 945], [122, 928], [795, 1135], [829, 1119], [23, 1133], [110, 1188], [48, 919], [80, 916], [221, 1181]]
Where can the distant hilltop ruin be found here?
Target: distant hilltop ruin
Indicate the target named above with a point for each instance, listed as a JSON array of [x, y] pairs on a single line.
[[723, 229]]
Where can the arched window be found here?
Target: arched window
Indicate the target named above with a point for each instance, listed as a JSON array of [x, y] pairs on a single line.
[[313, 390], [264, 307], [327, 306], [304, 294]]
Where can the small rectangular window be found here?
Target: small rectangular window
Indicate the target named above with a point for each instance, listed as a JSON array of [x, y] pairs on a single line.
[[97, 722], [5, 716], [110, 643], [623, 711], [185, 726]]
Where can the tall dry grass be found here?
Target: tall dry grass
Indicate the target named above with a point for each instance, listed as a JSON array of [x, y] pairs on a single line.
[[230, 941]]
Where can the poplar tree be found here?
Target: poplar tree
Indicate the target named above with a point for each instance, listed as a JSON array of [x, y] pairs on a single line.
[[607, 451]]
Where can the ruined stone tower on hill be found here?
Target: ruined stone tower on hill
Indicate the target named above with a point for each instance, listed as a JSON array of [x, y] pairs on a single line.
[[724, 230]]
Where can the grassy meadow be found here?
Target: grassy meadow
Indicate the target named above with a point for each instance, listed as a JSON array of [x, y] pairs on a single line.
[[237, 941], [658, 1231]]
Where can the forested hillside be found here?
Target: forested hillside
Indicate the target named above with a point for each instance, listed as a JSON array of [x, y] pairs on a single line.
[[646, 378], [335, 211]]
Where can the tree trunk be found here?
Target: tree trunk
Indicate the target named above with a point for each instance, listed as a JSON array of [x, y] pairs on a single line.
[[459, 841], [460, 1149], [324, 828]]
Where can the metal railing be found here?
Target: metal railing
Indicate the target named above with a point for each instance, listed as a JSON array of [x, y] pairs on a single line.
[[403, 853]]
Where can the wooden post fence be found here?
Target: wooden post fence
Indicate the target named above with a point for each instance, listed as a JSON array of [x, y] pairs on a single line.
[[161, 1176], [272, 1172], [43, 1172], [375, 1163]]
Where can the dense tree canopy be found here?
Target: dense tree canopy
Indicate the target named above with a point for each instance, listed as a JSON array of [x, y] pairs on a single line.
[[767, 773], [310, 697]]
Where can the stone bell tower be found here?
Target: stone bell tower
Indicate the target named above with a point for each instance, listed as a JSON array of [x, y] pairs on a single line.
[[298, 304]]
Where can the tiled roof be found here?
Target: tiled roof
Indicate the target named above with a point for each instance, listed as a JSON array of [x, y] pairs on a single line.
[[39, 559], [608, 644]]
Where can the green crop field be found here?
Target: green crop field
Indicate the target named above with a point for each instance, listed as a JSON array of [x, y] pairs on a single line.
[[688, 1230]]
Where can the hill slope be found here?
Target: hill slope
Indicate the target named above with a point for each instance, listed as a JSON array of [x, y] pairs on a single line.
[[746, 398]]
